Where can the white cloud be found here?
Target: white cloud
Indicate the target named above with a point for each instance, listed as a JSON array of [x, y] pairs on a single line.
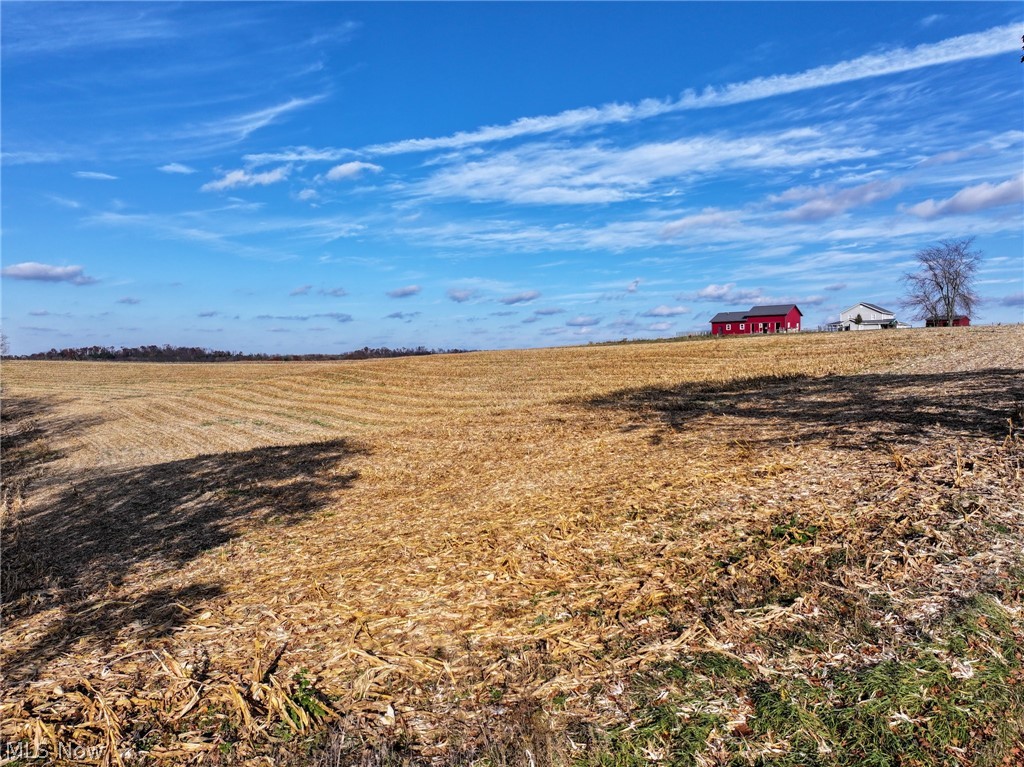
[[972, 199], [583, 321], [129, 300], [31, 270], [709, 217], [520, 298], [544, 173], [299, 154], [826, 202], [461, 296], [302, 290], [667, 311], [352, 169], [405, 292], [728, 292], [243, 178], [178, 168], [94, 175]]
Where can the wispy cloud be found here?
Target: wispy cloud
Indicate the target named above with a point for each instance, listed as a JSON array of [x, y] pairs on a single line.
[[992, 42], [554, 174], [236, 128], [32, 29], [972, 199], [825, 202], [336, 316], [299, 154], [208, 314], [520, 298], [352, 169], [729, 293], [94, 175], [130, 300], [1014, 299], [31, 270], [334, 292], [32, 157], [460, 296], [47, 313], [406, 316], [243, 178], [404, 292], [667, 311], [709, 217], [302, 290], [177, 168], [65, 202], [583, 321]]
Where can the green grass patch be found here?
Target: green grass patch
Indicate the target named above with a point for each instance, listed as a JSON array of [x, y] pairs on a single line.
[[955, 699]]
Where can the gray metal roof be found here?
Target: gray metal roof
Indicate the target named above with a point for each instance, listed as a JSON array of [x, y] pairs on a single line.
[[873, 306], [764, 311], [729, 317]]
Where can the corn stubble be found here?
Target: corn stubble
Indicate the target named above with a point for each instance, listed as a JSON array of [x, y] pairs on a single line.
[[792, 550]]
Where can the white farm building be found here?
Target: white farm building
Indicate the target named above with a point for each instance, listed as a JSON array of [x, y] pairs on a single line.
[[865, 316]]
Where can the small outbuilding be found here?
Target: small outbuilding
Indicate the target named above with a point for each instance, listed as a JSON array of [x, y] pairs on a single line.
[[771, 318], [959, 321]]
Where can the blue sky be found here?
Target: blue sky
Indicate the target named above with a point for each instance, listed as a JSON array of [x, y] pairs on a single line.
[[290, 177]]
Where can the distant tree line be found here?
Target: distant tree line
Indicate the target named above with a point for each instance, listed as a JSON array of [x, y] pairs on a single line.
[[169, 353]]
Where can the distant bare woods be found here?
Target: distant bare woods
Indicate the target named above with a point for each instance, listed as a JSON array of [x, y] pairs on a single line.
[[169, 353]]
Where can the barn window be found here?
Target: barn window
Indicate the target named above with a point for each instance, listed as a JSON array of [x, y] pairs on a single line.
[[743, 326], [728, 327]]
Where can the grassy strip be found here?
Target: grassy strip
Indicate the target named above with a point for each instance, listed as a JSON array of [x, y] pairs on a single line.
[[951, 701]]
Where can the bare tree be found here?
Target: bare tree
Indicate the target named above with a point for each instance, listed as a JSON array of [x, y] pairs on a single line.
[[5, 348], [943, 285]]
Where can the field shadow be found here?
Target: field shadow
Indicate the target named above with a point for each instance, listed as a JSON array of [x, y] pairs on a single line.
[[854, 411], [74, 545], [27, 425]]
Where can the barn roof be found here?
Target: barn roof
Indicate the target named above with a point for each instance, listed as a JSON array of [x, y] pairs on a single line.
[[729, 317], [869, 306], [772, 309], [875, 307]]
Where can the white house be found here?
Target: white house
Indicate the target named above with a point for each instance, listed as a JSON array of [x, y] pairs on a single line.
[[865, 316]]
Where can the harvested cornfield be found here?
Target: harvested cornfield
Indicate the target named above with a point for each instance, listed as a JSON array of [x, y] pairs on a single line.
[[792, 550]]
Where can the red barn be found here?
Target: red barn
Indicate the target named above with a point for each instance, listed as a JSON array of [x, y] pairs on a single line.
[[775, 318], [959, 321]]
